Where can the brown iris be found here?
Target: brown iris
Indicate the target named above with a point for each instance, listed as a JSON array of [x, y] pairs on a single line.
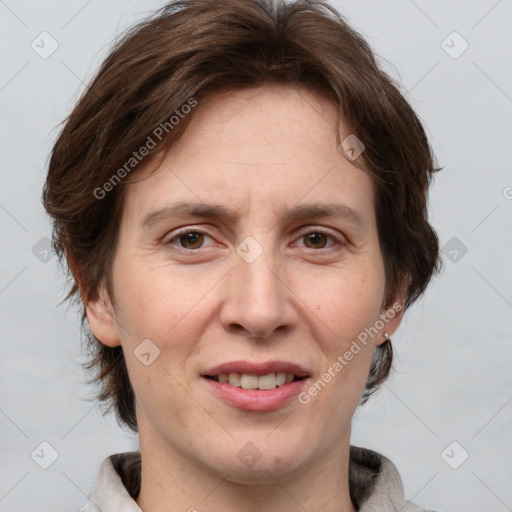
[[192, 240], [318, 240]]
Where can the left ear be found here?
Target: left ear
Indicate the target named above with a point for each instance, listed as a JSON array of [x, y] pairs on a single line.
[[392, 314]]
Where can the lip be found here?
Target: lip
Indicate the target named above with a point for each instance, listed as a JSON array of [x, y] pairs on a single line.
[[257, 368], [255, 399]]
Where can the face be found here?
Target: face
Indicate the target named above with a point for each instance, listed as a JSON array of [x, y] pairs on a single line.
[[252, 250]]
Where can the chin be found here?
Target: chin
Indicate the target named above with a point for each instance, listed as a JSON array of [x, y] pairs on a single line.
[[261, 462], [266, 471]]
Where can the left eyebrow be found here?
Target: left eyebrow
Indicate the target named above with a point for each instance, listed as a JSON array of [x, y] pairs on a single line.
[[298, 212], [309, 211]]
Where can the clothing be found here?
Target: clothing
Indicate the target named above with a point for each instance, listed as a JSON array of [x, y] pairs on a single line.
[[374, 484]]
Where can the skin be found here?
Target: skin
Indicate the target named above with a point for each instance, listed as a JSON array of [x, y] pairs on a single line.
[[258, 153]]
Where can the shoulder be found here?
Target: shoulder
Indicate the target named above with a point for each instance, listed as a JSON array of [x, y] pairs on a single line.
[[375, 484], [117, 485]]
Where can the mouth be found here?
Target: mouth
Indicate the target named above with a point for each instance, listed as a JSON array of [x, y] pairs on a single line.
[[259, 387]]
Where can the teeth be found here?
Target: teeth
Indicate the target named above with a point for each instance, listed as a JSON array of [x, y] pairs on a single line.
[[268, 381], [281, 378], [250, 381], [234, 379]]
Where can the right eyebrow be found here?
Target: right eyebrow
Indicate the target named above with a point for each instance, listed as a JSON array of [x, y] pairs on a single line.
[[208, 211]]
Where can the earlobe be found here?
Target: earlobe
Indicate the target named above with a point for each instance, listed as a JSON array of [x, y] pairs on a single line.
[[101, 317]]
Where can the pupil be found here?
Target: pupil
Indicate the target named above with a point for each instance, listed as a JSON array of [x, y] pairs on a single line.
[[191, 240], [316, 239]]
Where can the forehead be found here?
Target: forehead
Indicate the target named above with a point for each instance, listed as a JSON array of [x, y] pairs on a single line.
[[264, 147]]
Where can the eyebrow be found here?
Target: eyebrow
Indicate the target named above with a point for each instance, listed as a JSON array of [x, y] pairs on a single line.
[[298, 212]]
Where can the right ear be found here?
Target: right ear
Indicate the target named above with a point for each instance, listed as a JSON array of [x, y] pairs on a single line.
[[100, 312], [102, 320]]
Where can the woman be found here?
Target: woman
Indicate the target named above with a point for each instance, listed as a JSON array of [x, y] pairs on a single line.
[[240, 195]]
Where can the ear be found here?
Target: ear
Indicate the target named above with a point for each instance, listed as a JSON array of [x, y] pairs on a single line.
[[392, 314], [100, 312], [102, 320]]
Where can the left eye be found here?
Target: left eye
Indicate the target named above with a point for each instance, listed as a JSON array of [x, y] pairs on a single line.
[[316, 240]]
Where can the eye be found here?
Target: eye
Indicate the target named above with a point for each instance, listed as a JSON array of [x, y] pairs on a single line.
[[319, 240], [189, 240]]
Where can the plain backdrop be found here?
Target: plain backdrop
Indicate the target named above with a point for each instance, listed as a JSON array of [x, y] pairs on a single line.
[[444, 418]]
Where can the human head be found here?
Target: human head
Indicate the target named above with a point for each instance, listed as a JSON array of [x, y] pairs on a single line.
[[188, 51]]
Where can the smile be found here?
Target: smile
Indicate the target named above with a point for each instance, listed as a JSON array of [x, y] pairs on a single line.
[[256, 386]]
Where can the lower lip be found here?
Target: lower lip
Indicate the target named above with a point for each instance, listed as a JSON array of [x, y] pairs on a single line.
[[256, 399]]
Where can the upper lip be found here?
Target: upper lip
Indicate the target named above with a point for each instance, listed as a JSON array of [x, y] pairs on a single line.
[[256, 368]]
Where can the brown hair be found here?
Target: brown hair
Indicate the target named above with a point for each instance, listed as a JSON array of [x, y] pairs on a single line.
[[187, 50]]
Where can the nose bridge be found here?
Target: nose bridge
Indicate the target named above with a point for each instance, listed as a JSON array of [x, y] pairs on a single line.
[[258, 300], [256, 270]]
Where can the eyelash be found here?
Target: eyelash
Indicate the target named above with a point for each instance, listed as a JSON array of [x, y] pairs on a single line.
[[177, 236]]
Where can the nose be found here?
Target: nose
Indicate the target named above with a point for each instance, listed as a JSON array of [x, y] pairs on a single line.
[[258, 301]]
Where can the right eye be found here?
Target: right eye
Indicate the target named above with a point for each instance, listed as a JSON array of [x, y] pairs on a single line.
[[187, 240]]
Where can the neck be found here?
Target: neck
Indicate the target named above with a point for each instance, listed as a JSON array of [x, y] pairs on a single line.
[[170, 481]]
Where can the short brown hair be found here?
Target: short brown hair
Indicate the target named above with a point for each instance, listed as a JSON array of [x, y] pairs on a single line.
[[189, 49]]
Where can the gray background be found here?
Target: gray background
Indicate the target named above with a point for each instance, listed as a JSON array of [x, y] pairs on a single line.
[[452, 379]]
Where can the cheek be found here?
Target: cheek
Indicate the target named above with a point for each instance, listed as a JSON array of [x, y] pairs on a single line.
[[343, 308], [345, 300], [155, 300], [164, 306]]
